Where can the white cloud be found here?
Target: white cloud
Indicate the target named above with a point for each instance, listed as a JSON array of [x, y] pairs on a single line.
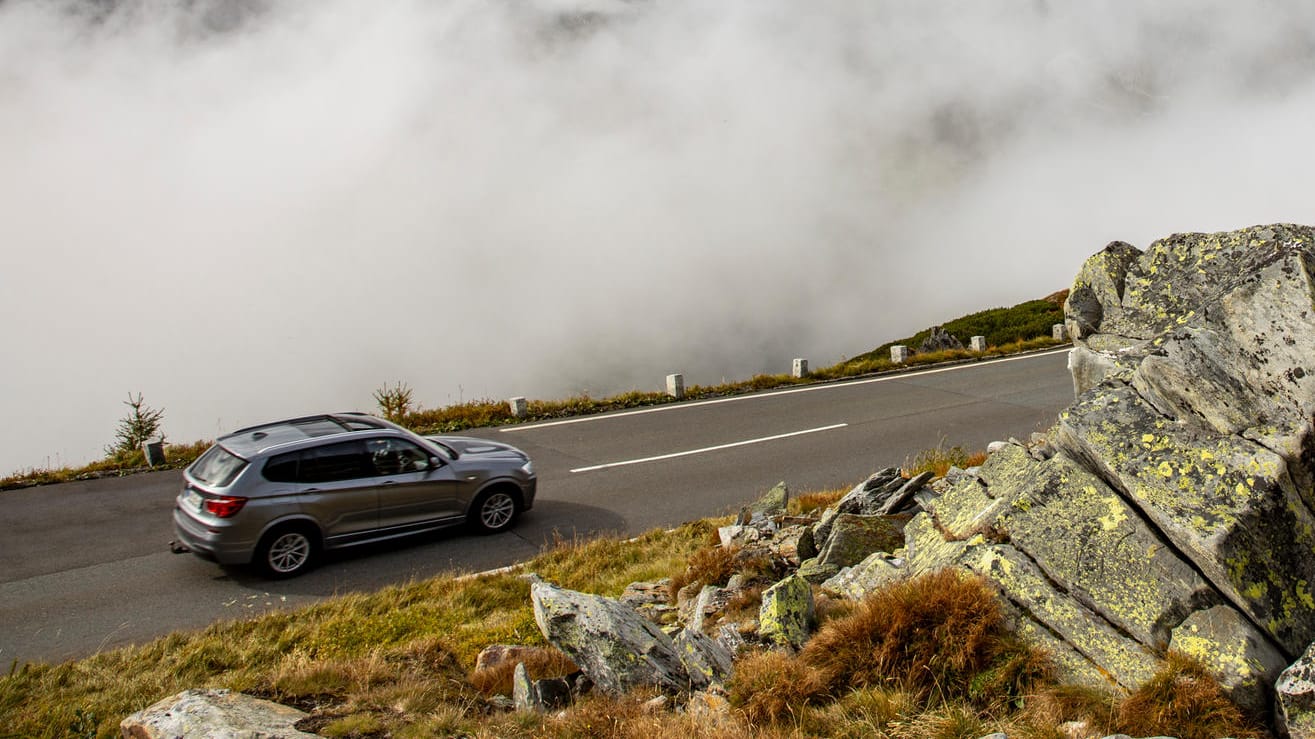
[[245, 210]]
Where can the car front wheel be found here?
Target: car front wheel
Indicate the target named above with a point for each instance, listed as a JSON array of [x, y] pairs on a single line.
[[493, 511], [286, 552]]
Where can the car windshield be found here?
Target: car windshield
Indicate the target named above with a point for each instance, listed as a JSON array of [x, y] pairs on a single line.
[[217, 467]]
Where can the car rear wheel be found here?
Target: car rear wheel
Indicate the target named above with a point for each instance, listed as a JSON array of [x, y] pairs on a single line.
[[287, 552], [493, 511]]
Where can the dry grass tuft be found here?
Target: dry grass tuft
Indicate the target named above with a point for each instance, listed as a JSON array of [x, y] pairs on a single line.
[[939, 460], [860, 714], [711, 565], [1055, 705], [801, 505], [771, 687], [949, 721], [1185, 700], [930, 635], [540, 663]]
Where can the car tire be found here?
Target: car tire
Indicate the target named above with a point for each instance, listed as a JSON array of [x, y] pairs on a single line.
[[287, 551], [494, 510]]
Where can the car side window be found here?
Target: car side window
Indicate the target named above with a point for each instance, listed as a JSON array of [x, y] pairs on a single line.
[[281, 468], [346, 460], [395, 456]]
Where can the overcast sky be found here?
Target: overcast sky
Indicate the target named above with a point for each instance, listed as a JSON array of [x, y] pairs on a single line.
[[246, 210]]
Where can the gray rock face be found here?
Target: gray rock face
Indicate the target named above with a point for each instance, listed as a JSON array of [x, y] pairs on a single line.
[[772, 503], [851, 539], [1172, 506], [706, 661], [786, 614], [1243, 658], [939, 340], [613, 645], [876, 571], [1296, 697], [213, 714]]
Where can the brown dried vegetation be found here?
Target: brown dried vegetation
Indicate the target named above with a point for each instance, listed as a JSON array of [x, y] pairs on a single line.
[[1185, 700], [770, 687], [930, 636], [540, 663]]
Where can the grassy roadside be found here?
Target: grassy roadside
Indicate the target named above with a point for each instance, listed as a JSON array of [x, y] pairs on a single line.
[[1022, 328], [400, 663]]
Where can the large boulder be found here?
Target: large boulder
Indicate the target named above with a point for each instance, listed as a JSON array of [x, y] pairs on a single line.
[[1173, 506], [611, 643], [213, 714]]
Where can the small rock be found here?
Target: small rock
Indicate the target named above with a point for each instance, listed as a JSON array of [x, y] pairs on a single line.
[[709, 707], [773, 503], [523, 694], [198, 714], [786, 615], [706, 661], [732, 640], [1295, 697]]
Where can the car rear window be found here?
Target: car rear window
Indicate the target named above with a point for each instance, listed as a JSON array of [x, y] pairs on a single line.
[[217, 467]]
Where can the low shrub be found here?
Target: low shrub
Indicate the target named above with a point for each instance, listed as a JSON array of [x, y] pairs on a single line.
[[930, 636], [770, 687], [1185, 700]]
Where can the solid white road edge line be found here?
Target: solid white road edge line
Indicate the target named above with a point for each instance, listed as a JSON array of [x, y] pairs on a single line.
[[759, 396], [709, 449]]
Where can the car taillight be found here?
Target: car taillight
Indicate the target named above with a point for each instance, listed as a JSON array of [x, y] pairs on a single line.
[[225, 505]]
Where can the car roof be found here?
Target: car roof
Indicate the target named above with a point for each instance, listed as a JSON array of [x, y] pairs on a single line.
[[253, 440]]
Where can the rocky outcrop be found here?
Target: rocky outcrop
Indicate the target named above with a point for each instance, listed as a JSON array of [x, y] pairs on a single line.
[[939, 340], [1173, 506], [213, 714]]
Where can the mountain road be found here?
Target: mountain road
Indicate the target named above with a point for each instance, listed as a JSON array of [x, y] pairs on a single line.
[[85, 566]]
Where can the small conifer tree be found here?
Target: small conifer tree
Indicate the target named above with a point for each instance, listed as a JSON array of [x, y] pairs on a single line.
[[140, 425]]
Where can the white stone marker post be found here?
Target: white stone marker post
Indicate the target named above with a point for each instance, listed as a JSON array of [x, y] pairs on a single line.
[[517, 405], [899, 354], [800, 368], [676, 386], [977, 343]]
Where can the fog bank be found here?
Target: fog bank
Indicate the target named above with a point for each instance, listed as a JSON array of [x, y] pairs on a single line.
[[246, 210]]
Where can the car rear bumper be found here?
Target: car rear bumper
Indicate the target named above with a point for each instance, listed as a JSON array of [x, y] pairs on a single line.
[[205, 543]]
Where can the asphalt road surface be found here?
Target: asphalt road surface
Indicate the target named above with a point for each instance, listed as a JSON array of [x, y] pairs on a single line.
[[85, 566]]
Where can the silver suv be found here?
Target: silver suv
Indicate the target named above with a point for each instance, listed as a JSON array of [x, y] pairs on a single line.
[[278, 494]]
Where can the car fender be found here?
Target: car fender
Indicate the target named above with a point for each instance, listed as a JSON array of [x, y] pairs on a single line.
[[510, 482], [292, 518]]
